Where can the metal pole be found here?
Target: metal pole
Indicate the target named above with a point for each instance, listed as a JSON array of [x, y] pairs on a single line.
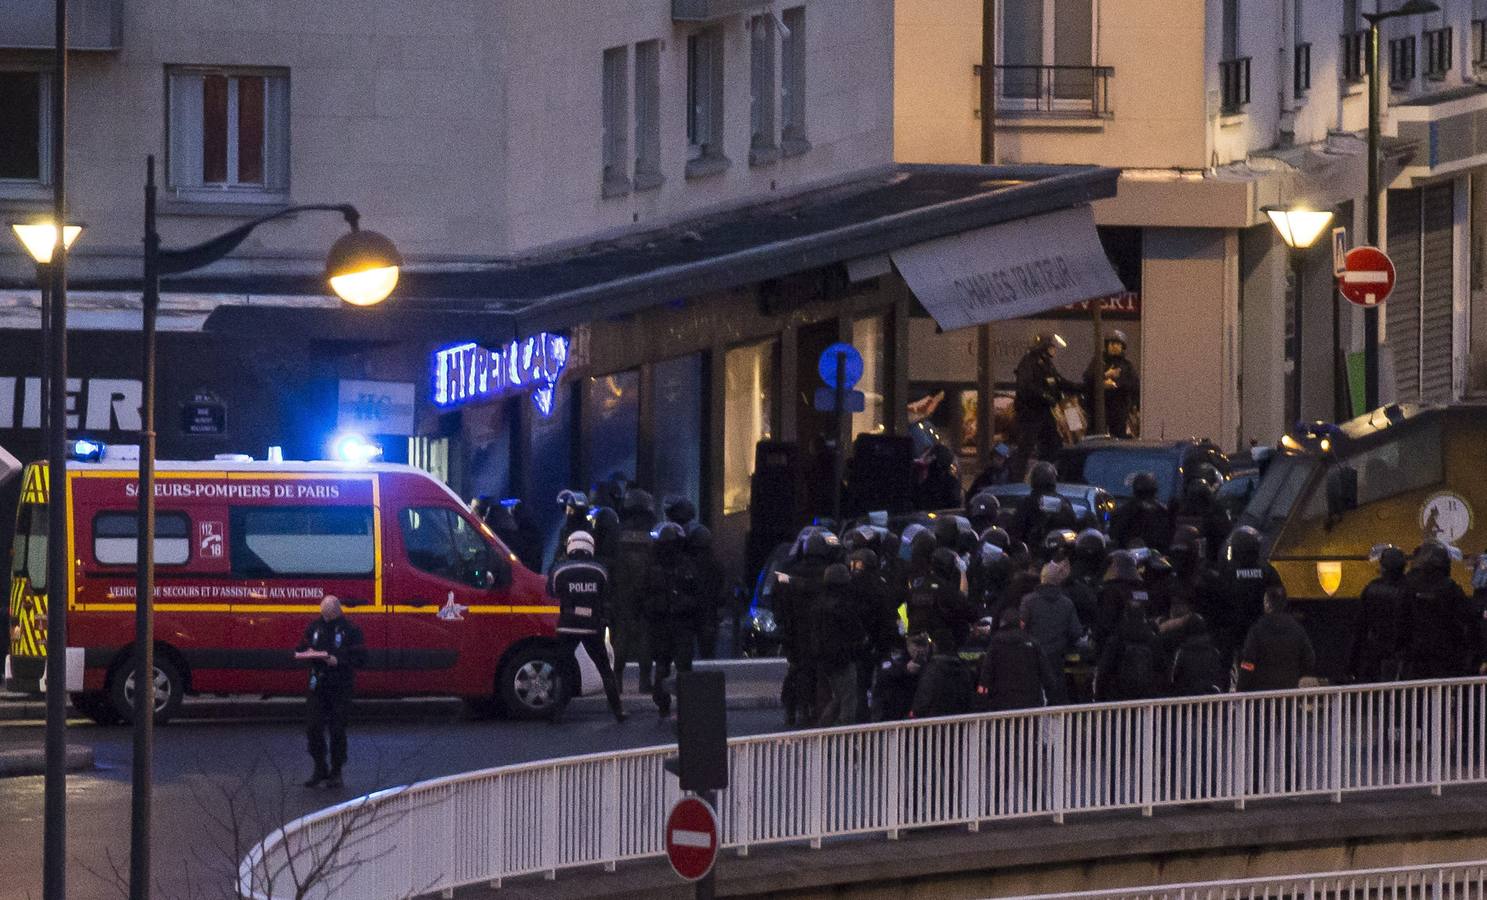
[[988, 82], [839, 459], [1097, 419], [705, 886], [44, 280], [144, 624], [54, 840], [1341, 411], [985, 385], [1371, 314], [1297, 316]]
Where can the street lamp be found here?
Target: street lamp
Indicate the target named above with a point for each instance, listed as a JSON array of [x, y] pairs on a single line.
[[40, 240], [1299, 227], [1371, 313], [362, 268]]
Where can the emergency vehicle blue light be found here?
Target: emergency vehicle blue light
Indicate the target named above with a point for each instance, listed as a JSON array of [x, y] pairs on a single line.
[[355, 448], [86, 450]]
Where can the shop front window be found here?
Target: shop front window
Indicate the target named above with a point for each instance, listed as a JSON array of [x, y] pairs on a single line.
[[677, 425], [748, 408], [867, 337], [612, 425]]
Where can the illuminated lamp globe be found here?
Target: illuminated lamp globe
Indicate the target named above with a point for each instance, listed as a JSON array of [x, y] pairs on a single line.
[[362, 267], [1299, 228], [40, 238]]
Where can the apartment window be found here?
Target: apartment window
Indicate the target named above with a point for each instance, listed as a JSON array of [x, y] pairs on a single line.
[[705, 103], [792, 81], [647, 115], [762, 149], [1234, 84], [1047, 54], [1230, 35], [1402, 61], [1301, 70], [748, 410], [25, 128], [1355, 60], [1479, 43], [616, 115], [1438, 45], [229, 131]]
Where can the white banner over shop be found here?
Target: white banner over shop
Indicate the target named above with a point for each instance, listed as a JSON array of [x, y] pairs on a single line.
[[1010, 271]]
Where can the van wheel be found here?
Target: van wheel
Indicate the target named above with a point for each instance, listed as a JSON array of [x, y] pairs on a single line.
[[532, 684], [95, 705], [169, 690]]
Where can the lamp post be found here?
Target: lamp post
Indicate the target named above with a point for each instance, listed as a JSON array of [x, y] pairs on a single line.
[[362, 268], [1375, 90], [47, 246], [1299, 227]]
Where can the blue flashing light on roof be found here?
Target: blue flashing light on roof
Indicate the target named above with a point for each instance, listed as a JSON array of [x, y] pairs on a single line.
[[85, 450], [354, 448]]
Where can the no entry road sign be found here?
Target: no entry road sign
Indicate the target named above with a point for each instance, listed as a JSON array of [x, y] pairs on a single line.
[[1368, 278], [692, 838]]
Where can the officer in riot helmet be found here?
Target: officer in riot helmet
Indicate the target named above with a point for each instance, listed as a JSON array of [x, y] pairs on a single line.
[[1120, 587], [936, 604], [798, 586], [1199, 507], [1042, 510], [982, 510], [629, 575], [672, 609], [581, 586], [575, 507], [1143, 521], [681, 511], [1122, 384], [1379, 637], [1439, 616], [710, 581], [998, 537], [1086, 570], [1040, 390]]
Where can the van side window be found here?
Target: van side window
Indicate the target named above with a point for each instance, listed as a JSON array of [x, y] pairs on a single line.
[[328, 541], [28, 555], [441, 542], [116, 538], [1411, 461]]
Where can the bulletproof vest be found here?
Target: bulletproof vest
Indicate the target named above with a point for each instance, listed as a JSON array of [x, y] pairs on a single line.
[[581, 588]]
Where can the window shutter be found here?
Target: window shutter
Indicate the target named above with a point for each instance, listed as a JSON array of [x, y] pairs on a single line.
[[185, 131]]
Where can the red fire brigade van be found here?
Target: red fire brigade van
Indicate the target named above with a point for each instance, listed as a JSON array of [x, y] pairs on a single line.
[[244, 553]]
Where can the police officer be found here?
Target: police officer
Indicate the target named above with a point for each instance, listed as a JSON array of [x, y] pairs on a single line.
[[1086, 569], [1122, 385], [1200, 509], [1143, 521], [575, 507], [937, 606], [671, 610], [1438, 616], [1277, 653], [1040, 388], [629, 575], [1121, 587], [1243, 578], [710, 580], [334, 648], [581, 586], [798, 585], [1042, 510], [983, 510], [1378, 641]]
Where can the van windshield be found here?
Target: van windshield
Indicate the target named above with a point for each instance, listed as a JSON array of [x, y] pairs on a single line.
[[1278, 492]]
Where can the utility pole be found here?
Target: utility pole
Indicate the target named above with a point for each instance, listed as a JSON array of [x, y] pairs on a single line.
[[985, 417]]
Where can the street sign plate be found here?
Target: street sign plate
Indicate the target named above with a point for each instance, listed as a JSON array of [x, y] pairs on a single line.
[[1339, 251], [856, 401], [692, 838], [827, 365], [1369, 277]]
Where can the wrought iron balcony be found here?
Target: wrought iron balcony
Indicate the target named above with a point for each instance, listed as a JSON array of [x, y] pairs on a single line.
[[1073, 92], [30, 24]]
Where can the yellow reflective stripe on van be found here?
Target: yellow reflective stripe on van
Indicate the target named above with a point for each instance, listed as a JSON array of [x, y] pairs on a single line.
[[27, 637], [298, 609], [34, 488]]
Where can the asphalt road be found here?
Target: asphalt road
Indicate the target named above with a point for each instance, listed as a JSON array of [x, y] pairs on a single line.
[[212, 772]]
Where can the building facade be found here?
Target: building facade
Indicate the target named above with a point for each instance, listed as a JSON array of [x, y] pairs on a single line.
[[1213, 110]]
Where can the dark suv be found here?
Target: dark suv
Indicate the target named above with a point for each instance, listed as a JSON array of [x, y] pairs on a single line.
[[1113, 464]]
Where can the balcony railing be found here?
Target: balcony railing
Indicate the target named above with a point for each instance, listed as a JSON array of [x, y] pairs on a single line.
[[1301, 70], [1076, 92], [1355, 62], [1234, 84]]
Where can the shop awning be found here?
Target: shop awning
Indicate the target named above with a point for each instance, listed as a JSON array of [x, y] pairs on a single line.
[[1009, 271]]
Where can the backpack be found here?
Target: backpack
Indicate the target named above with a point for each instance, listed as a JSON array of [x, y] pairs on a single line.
[[1198, 670], [1135, 674]]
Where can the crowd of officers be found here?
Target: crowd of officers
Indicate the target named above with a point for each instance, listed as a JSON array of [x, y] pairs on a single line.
[[958, 614], [980, 611]]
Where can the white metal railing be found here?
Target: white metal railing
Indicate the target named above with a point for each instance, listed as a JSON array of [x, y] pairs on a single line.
[[604, 809], [1467, 880]]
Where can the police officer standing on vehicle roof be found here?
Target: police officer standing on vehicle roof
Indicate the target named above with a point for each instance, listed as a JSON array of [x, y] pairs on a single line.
[[581, 587], [334, 649], [1122, 386], [1040, 387]]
